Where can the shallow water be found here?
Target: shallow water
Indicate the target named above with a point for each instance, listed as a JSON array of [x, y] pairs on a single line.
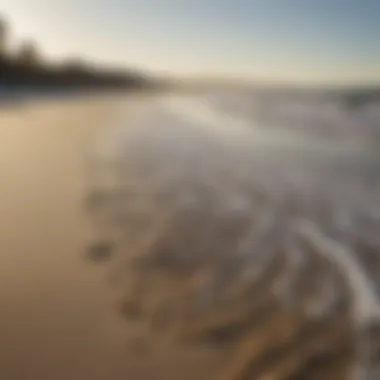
[[202, 200]]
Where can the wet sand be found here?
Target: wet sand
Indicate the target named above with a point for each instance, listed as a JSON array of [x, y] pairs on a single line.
[[59, 317], [55, 320]]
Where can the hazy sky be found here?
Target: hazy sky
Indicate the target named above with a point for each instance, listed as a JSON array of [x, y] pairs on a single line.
[[300, 40]]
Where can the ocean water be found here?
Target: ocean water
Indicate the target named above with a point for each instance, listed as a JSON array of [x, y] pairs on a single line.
[[237, 185]]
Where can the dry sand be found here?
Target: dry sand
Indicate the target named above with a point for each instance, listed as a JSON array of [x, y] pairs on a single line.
[[55, 316]]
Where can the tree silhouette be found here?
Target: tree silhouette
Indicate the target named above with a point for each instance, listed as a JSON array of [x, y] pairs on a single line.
[[28, 55]]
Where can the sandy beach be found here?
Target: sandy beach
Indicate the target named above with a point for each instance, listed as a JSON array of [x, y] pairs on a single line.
[[63, 316]]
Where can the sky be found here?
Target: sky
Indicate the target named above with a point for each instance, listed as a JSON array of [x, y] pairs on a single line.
[[303, 41]]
